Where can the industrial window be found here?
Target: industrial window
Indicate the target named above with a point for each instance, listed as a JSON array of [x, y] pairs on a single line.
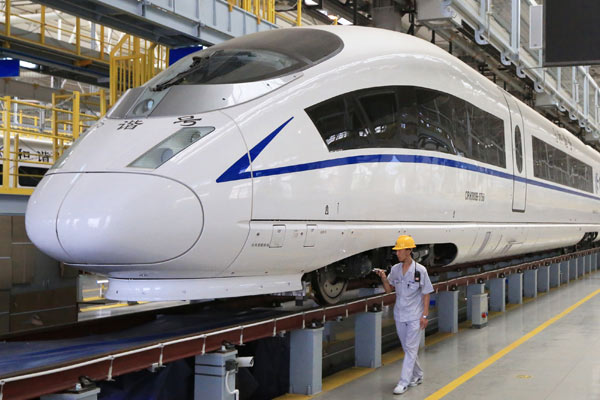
[[31, 176], [410, 118], [552, 164]]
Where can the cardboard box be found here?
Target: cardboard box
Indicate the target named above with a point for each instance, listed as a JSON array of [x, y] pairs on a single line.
[[42, 319], [25, 302], [23, 263], [19, 235], [5, 235], [5, 273]]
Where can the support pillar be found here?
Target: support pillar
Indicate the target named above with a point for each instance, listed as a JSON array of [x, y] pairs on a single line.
[[554, 275], [565, 273], [596, 261], [497, 295], [588, 263], [84, 394], [530, 283], [515, 288], [477, 288], [367, 339], [448, 311], [306, 361], [543, 279], [580, 266], [210, 375], [573, 269]]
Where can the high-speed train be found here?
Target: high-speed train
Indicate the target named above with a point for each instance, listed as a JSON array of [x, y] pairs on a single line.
[[303, 153]]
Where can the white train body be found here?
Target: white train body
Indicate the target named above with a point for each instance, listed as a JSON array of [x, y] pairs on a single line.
[[261, 200]]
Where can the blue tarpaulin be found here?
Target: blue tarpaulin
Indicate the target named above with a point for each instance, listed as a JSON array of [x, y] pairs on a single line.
[[21, 357], [176, 54], [9, 68]]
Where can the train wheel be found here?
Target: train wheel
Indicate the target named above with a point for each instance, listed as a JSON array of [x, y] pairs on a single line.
[[328, 286]]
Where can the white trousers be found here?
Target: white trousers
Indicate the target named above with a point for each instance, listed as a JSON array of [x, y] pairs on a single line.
[[410, 337]]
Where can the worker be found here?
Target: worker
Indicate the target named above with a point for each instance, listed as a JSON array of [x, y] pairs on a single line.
[[413, 286]]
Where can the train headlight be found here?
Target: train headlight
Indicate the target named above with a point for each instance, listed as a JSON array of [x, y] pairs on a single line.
[[168, 148]]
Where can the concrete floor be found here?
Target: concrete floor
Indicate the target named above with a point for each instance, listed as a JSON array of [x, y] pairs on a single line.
[[560, 362]]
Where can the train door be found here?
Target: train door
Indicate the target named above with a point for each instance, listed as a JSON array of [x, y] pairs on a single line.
[[517, 136]]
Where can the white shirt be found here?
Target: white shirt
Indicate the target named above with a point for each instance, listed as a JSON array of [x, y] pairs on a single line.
[[409, 292]]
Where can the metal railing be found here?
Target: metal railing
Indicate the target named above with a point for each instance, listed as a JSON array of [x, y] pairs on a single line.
[[34, 135], [505, 26], [133, 61], [33, 23], [265, 10]]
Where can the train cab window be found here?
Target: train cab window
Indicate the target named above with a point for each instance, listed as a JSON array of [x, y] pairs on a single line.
[[340, 123], [518, 149], [251, 58]]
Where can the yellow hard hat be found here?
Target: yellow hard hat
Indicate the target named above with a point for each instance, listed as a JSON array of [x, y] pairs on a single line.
[[404, 242]]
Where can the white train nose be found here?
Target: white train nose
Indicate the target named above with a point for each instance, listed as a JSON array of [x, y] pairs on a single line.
[[42, 210], [120, 218]]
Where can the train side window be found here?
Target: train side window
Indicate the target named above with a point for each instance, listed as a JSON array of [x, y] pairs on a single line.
[[381, 108], [340, 124], [555, 165], [392, 115], [434, 128], [518, 149], [460, 118]]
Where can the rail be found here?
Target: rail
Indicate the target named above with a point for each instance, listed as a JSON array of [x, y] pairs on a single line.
[[52, 380]]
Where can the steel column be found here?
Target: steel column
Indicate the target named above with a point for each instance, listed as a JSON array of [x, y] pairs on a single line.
[[554, 275], [580, 266], [543, 279], [497, 295], [367, 339], [530, 283], [515, 288], [573, 265], [565, 273], [448, 311], [306, 361]]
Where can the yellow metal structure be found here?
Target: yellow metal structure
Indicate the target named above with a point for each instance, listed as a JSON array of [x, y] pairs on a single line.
[[38, 24], [35, 135], [133, 61]]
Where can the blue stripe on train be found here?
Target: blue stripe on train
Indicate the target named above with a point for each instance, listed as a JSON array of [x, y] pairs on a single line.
[[239, 170]]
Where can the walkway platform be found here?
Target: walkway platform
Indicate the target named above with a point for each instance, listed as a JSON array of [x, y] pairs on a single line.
[[523, 353]]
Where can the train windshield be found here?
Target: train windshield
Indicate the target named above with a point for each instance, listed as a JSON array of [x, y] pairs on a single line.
[[229, 66], [257, 57], [229, 73]]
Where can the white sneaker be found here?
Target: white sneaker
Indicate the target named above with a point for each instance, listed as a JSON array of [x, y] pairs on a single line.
[[399, 389], [416, 382]]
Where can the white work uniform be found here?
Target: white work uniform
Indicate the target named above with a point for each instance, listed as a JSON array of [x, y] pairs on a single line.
[[407, 314]]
